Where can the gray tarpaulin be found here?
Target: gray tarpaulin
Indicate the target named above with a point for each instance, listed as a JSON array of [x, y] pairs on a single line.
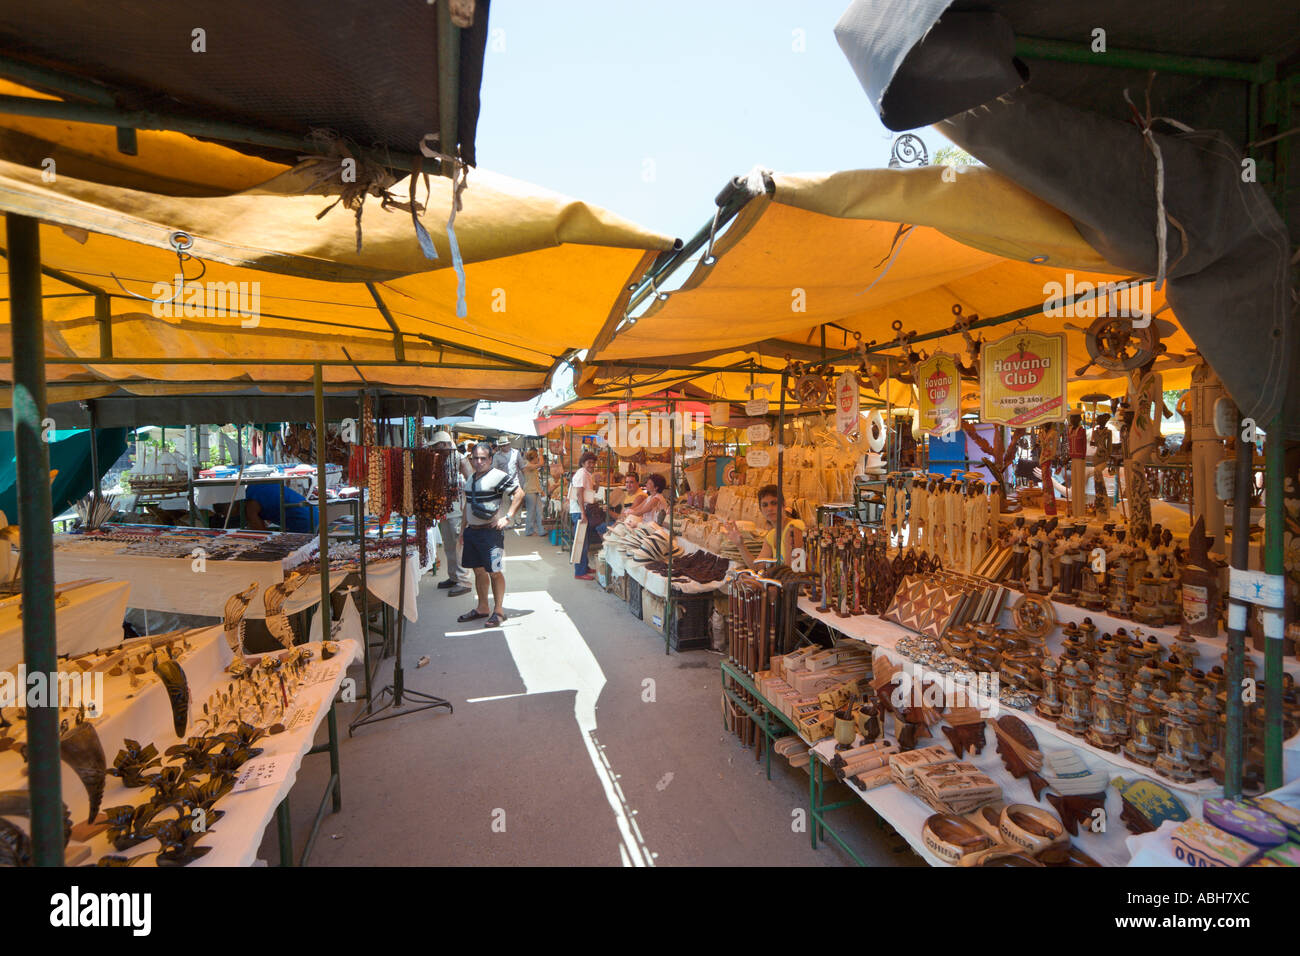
[[1227, 284]]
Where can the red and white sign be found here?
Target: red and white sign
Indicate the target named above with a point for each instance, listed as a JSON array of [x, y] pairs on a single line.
[[848, 404]]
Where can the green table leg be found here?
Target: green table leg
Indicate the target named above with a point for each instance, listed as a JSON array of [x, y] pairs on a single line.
[[334, 759], [286, 832]]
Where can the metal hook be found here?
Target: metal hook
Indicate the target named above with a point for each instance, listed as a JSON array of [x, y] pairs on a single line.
[[181, 243]]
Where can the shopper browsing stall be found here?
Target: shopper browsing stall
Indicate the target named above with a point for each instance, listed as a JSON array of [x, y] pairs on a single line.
[[582, 492], [485, 540], [792, 530], [509, 459], [452, 526], [532, 483]]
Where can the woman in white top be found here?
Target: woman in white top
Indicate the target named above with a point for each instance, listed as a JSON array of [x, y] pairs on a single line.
[[654, 501], [582, 492]]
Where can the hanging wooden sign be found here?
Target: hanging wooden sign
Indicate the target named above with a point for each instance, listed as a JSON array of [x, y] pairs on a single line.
[[758, 458], [938, 383], [1023, 379], [759, 432], [848, 404]]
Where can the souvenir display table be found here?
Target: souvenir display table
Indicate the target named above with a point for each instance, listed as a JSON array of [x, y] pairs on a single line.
[[885, 635], [622, 563], [87, 615], [140, 709], [163, 575]]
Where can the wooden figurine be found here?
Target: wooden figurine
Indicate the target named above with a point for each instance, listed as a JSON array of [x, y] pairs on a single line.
[[1200, 584], [1076, 696], [1109, 703], [1049, 703], [1103, 441], [965, 730], [1144, 725], [1077, 438], [1049, 444]]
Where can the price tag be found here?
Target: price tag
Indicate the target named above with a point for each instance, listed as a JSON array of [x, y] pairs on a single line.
[[759, 432], [262, 772], [756, 407], [758, 458]]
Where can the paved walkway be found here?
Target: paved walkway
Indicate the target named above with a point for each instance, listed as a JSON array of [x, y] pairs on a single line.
[[575, 742]]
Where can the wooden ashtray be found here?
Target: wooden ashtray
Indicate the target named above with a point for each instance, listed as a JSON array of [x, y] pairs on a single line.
[[1000, 856], [1065, 854], [989, 820], [1030, 828], [951, 837]]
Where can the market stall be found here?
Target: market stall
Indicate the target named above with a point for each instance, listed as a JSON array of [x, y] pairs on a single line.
[[1044, 570]]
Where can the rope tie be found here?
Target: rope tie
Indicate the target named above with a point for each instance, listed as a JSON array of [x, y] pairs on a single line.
[[1144, 124]]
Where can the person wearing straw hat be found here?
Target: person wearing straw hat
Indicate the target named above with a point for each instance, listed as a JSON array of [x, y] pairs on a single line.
[[507, 458], [452, 525]]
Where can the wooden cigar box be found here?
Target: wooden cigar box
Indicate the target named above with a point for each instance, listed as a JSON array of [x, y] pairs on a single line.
[[1198, 843]]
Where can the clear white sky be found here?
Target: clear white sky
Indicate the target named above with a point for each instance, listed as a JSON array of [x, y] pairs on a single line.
[[648, 109]]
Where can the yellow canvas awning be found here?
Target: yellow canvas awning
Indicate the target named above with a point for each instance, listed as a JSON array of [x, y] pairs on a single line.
[[540, 272], [870, 248]]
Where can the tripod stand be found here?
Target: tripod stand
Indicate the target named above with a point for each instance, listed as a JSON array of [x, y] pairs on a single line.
[[397, 689]]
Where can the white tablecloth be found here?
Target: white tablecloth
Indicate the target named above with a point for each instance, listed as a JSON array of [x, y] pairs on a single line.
[[92, 618], [172, 584]]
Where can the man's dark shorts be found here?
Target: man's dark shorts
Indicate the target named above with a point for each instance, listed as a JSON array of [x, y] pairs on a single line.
[[484, 548]]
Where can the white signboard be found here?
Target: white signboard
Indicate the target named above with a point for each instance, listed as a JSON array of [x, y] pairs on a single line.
[[758, 458], [756, 407], [760, 432]]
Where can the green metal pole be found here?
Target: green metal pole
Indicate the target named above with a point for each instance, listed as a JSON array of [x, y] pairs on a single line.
[[1034, 48], [1274, 447], [780, 469], [1238, 612], [318, 379], [672, 501], [448, 85], [32, 454], [191, 126]]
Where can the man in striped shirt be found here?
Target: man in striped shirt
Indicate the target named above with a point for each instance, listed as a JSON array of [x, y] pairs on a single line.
[[485, 538]]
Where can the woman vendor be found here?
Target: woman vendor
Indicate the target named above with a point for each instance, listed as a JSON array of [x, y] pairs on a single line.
[[654, 501], [792, 531]]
